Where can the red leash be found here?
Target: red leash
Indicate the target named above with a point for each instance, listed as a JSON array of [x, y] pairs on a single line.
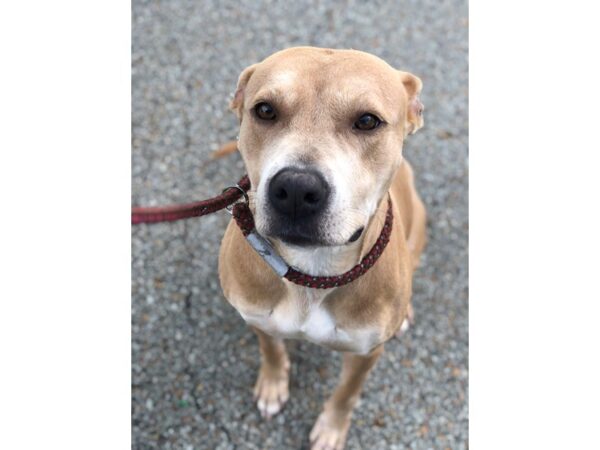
[[244, 219], [177, 212]]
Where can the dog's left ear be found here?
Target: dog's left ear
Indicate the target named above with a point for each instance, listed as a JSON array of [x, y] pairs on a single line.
[[414, 112]]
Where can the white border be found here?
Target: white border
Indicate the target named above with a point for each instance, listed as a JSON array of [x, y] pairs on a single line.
[[534, 221], [64, 241]]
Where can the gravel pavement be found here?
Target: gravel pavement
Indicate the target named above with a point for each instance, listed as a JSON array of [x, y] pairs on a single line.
[[194, 360]]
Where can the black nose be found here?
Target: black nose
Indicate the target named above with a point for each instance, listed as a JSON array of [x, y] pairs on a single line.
[[298, 193]]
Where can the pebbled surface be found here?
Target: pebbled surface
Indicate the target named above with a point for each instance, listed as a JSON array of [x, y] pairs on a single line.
[[194, 361]]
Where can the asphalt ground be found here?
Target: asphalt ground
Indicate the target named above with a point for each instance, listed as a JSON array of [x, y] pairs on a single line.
[[194, 360]]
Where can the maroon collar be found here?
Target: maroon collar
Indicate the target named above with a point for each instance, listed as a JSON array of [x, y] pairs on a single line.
[[244, 219]]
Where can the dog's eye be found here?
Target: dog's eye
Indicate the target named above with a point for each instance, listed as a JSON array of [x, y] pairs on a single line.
[[367, 122], [265, 111]]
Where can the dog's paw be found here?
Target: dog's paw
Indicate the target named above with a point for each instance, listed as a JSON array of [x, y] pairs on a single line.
[[271, 391], [329, 434]]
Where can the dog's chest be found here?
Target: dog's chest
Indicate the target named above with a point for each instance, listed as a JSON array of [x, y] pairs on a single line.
[[305, 317]]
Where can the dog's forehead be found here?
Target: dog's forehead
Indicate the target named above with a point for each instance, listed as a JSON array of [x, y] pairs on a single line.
[[328, 72], [309, 58]]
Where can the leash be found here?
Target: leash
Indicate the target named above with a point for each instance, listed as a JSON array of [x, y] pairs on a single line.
[[197, 209], [230, 199]]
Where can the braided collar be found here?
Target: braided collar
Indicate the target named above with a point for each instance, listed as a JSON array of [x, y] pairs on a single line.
[[245, 221]]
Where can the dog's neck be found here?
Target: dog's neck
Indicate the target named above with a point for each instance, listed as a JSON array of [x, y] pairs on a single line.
[[327, 261]]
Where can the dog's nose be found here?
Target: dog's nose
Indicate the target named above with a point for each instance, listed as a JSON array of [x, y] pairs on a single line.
[[298, 193]]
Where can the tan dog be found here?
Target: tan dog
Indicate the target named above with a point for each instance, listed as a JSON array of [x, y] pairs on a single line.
[[321, 134]]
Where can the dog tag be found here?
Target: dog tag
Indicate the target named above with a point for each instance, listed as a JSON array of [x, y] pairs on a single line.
[[268, 253]]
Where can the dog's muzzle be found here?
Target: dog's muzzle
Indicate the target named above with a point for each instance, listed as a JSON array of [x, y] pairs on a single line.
[[298, 194], [297, 199]]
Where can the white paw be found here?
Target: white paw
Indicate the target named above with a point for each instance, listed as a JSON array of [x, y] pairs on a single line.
[[271, 392], [325, 435]]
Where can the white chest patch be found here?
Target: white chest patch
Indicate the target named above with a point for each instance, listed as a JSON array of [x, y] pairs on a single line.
[[299, 319]]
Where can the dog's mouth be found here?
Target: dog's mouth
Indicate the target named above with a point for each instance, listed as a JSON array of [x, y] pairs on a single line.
[[301, 241], [321, 229], [307, 236], [356, 235]]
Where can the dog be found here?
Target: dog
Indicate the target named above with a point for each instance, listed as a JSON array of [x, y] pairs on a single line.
[[321, 136]]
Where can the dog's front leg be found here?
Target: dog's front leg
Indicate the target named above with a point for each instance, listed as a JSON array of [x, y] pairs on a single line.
[[271, 389], [333, 423]]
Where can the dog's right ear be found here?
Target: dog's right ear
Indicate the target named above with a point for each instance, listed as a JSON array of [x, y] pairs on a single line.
[[237, 103]]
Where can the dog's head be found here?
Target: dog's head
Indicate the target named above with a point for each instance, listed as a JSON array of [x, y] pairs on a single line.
[[321, 134]]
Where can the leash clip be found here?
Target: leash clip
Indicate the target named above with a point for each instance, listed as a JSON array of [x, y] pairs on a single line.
[[229, 208]]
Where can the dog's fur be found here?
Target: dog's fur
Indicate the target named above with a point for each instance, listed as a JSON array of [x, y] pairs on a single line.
[[319, 94]]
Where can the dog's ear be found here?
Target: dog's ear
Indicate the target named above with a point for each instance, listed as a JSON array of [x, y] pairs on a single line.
[[237, 103], [414, 113]]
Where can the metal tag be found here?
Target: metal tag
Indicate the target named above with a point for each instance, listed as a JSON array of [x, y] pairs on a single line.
[[268, 253]]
